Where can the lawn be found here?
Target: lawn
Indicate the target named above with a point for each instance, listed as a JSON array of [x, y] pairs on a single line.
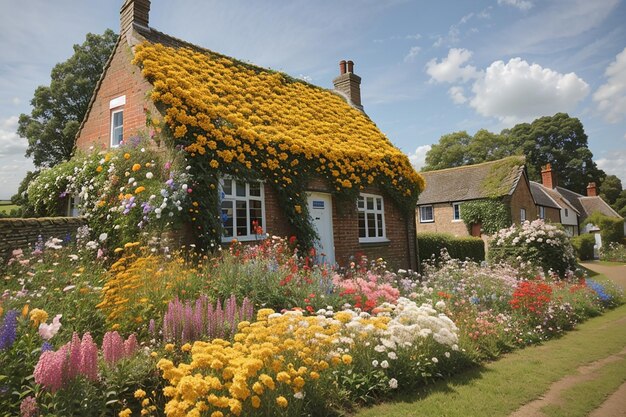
[[499, 388], [6, 206]]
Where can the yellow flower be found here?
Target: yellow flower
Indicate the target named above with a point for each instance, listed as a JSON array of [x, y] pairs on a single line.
[[38, 316], [136, 167], [125, 413], [282, 402], [169, 347], [298, 209], [140, 189], [25, 310], [186, 347], [346, 359], [256, 401], [217, 414], [139, 394], [126, 155], [99, 169]]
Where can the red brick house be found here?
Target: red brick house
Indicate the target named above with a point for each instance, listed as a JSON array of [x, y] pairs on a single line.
[[335, 136], [440, 204]]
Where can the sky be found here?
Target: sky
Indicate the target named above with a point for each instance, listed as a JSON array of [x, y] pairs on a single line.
[[428, 68]]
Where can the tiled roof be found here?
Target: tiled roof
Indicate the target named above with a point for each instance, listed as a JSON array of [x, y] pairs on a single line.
[[595, 204], [541, 195], [471, 182]]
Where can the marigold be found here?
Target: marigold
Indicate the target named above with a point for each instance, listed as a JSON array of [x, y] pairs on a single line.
[[282, 402], [38, 316], [136, 167], [139, 394]]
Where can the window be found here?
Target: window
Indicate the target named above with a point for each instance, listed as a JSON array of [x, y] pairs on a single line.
[[73, 205], [371, 211], [426, 214], [566, 213], [117, 128], [242, 209], [542, 212], [522, 215], [456, 211]]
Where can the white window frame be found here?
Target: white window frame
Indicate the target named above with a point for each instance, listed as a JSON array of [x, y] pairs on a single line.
[[251, 235], [522, 215], [73, 206], [362, 208], [432, 212], [454, 210], [113, 113], [542, 212]]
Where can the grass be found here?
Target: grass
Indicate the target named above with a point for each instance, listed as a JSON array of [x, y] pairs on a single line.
[[581, 399], [499, 388], [611, 263], [6, 206]]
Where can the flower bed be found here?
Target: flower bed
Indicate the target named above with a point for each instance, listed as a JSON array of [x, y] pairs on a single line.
[[255, 330]]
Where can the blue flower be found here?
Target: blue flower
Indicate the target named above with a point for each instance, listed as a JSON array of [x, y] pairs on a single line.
[[599, 290], [46, 347], [8, 329]]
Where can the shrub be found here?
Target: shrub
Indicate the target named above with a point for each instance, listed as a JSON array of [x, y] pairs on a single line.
[[611, 228], [491, 214], [613, 252], [534, 243], [583, 246], [431, 244]]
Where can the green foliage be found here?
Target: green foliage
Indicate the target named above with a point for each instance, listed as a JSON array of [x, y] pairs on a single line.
[[610, 189], [537, 244], [583, 246], [495, 184], [559, 140], [613, 252], [611, 228], [59, 108], [492, 214], [21, 197], [431, 244]]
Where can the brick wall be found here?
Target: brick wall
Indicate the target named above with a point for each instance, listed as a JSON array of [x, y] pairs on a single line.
[[522, 198], [23, 233], [121, 78], [444, 221]]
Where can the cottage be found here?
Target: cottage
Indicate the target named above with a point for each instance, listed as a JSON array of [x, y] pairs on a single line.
[[504, 181], [266, 150]]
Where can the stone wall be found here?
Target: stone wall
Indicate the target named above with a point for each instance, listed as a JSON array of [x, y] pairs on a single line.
[[23, 233]]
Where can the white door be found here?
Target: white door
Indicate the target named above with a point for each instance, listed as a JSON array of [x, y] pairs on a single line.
[[321, 212]]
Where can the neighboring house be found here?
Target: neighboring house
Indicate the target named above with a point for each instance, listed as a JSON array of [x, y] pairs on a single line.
[[375, 225], [440, 204], [574, 208]]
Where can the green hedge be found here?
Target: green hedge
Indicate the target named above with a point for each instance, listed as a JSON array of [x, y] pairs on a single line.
[[611, 228], [583, 246], [429, 244]]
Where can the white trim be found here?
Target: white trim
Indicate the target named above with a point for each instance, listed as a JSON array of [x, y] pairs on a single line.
[[522, 218], [432, 210], [117, 102], [455, 220], [251, 236], [375, 211]]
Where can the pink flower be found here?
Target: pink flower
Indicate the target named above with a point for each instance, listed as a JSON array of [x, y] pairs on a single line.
[[47, 331], [130, 345], [89, 358], [49, 370], [112, 347]]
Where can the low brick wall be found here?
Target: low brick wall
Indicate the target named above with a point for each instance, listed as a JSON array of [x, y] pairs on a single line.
[[23, 233]]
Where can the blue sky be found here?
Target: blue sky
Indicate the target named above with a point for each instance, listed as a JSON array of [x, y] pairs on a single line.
[[428, 68]]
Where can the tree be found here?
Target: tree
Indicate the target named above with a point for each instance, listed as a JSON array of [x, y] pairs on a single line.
[[59, 108], [610, 189], [559, 140]]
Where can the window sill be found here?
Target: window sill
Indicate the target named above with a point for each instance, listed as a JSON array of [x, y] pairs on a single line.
[[377, 242], [229, 240], [457, 221], [427, 221]]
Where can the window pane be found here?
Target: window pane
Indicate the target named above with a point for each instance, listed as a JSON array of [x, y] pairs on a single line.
[[240, 188], [227, 218], [379, 224], [255, 189], [118, 119], [370, 203], [360, 202], [255, 214], [427, 213], [241, 218], [371, 224], [227, 186], [379, 204], [362, 229]]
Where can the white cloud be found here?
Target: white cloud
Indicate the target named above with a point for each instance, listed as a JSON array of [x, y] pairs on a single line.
[[614, 164], [418, 158], [519, 91], [413, 52], [13, 164], [520, 4], [457, 94], [306, 78], [611, 96], [451, 68]]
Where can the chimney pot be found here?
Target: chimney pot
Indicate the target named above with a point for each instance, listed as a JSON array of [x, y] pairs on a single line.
[[342, 67], [350, 66], [592, 190]]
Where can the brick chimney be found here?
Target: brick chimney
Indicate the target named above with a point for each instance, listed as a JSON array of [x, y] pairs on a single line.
[[548, 177], [133, 12], [349, 84], [592, 190]]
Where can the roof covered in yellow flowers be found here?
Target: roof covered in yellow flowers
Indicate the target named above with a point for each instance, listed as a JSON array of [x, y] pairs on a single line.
[[228, 111]]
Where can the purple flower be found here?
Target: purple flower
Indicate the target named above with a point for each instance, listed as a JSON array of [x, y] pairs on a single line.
[[8, 329], [46, 346]]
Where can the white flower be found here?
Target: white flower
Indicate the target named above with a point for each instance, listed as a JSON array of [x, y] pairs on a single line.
[[384, 364], [47, 331], [440, 305], [392, 355], [299, 395], [149, 175], [103, 237], [447, 354], [393, 383], [73, 257], [435, 360], [374, 363]]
